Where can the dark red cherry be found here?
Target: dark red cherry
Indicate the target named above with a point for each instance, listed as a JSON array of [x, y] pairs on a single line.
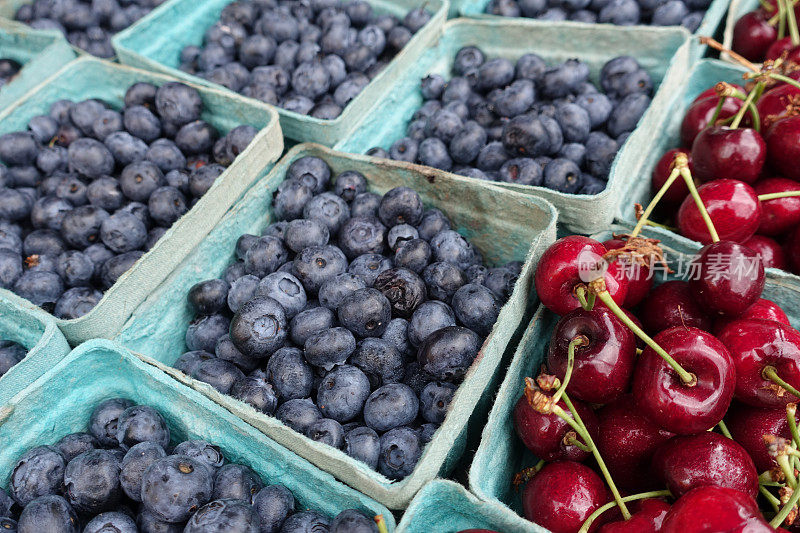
[[749, 424], [712, 91], [753, 35], [666, 400], [775, 104], [792, 249], [764, 309], [726, 279], [722, 152], [626, 440], [543, 434], [768, 250], [562, 495], [638, 277], [781, 214], [700, 113], [690, 461], [779, 47], [755, 344], [783, 146], [678, 190], [647, 519], [732, 205], [603, 367], [671, 304], [714, 509], [570, 262]]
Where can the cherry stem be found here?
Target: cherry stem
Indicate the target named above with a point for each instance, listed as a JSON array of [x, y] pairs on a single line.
[[765, 478], [717, 110], [784, 79], [787, 468], [585, 297], [662, 226], [580, 340], [610, 505], [573, 441], [773, 501], [676, 172], [791, 410], [784, 512], [580, 428], [381, 523], [771, 374], [687, 378], [791, 21], [687, 177], [746, 107], [716, 45], [777, 195], [724, 429]]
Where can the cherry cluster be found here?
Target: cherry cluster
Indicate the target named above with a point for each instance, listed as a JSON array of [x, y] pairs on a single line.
[[762, 34]]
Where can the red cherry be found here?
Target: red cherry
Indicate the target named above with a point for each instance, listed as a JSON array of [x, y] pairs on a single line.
[[603, 367], [783, 146], [732, 205], [700, 113], [671, 304], [722, 152], [777, 48], [761, 309], [792, 249], [749, 424], [728, 278], [626, 440], [565, 265], [562, 495], [647, 519], [753, 35], [678, 190], [543, 434], [638, 278], [712, 509], [768, 250], [781, 214], [692, 461], [712, 91], [673, 405], [775, 103], [755, 344]]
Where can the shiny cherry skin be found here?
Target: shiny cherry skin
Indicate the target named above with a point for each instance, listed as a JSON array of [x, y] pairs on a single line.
[[671, 304], [779, 47], [711, 509], [781, 214], [749, 424], [638, 277], [783, 147], [603, 368], [690, 461], [543, 434], [753, 35], [647, 519], [727, 278], [567, 263], [627, 441], [792, 249], [732, 205], [678, 190], [666, 400], [763, 308], [562, 495], [722, 152], [712, 91], [775, 103], [699, 115], [755, 344], [770, 252]]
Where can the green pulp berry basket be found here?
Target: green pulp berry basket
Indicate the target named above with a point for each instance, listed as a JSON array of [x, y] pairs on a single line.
[[62, 400], [157, 328], [92, 78]]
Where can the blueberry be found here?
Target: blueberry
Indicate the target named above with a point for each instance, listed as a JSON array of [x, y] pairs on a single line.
[[140, 93], [334, 290], [298, 414], [289, 373], [259, 327], [224, 515], [326, 431], [563, 175], [365, 312], [380, 360], [18, 148], [134, 464], [286, 289], [670, 13], [404, 149], [476, 307], [196, 137], [349, 184], [140, 122], [255, 391], [178, 103], [448, 353], [276, 229], [495, 73], [125, 147], [352, 521], [244, 242], [522, 171], [148, 522], [377, 151], [349, 89], [638, 81], [107, 123], [226, 350], [201, 179], [273, 504], [303, 233], [403, 288], [208, 297], [444, 124], [234, 272], [313, 171], [123, 232], [202, 451], [218, 373], [442, 280], [365, 204], [429, 317], [51, 159], [111, 521], [166, 155], [468, 58], [75, 268], [317, 264], [141, 423], [204, 331], [329, 348], [305, 521], [501, 282], [104, 420], [626, 114], [398, 37], [391, 406], [91, 481], [433, 153], [400, 449], [620, 12], [291, 197], [40, 287], [523, 135], [139, 180], [39, 472], [236, 482], [117, 266], [10, 354], [48, 513], [413, 254], [175, 486], [242, 290], [264, 256], [432, 86], [693, 20], [600, 153], [362, 235]]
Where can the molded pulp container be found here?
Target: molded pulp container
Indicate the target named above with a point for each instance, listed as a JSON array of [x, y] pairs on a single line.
[[665, 55], [157, 328], [155, 42], [446, 507], [501, 453], [26, 324], [93, 78], [40, 53], [62, 400]]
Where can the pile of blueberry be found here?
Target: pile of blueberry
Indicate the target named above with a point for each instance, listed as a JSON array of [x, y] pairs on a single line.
[[11, 353], [526, 123], [352, 319], [123, 475], [88, 189], [8, 69], [87, 24], [311, 57], [686, 13]]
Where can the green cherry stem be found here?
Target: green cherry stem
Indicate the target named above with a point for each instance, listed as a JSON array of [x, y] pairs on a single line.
[[580, 340], [784, 512], [674, 175], [633, 497], [585, 297], [381, 523], [774, 502], [791, 412], [573, 440], [687, 177], [745, 107], [717, 110], [724, 429], [785, 79], [771, 374], [777, 195], [791, 21]]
